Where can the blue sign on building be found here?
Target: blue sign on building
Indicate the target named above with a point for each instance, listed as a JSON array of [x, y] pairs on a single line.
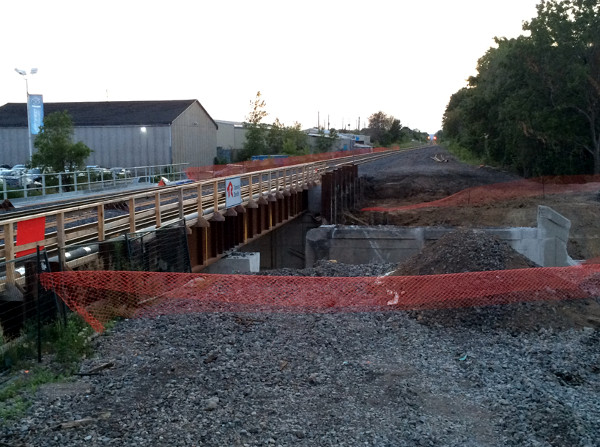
[[35, 111]]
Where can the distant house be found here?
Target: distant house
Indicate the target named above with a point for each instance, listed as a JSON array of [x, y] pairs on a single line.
[[122, 133], [343, 142]]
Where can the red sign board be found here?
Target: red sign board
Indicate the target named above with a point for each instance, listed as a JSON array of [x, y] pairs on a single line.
[[28, 231]]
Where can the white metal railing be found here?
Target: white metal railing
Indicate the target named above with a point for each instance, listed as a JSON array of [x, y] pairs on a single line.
[[149, 208], [24, 185]]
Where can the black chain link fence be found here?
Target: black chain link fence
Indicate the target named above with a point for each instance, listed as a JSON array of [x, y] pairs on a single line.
[[25, 307]]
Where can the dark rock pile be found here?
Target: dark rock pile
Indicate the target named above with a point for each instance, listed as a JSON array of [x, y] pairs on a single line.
[[464, 251]]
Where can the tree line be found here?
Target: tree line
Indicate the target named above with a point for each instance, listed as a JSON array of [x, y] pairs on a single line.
[[276, 138], [385, 130], [534, 105]]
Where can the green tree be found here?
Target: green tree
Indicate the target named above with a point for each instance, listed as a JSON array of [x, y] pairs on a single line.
[[295, 141], [56, 149], [567, 36], [325, 140], [385, 129], [395, 131], [256, 130], [275, 137], [379, 124], [534, 104]]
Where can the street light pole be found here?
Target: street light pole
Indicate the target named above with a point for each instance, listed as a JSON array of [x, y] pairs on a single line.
[[24, 74]]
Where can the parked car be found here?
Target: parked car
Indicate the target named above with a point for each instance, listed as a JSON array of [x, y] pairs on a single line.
[[18, 169], [34, 174], [120, 172], [99, 170]]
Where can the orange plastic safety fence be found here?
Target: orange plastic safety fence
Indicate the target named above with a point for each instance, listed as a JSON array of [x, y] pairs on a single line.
[[100, 296], [215, 171], [479, 195]]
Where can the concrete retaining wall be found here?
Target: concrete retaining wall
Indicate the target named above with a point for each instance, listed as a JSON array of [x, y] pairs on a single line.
[[546, 245]]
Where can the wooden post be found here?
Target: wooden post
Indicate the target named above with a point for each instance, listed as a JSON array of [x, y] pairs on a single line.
[[250, 187], [215, 197], [157, 208], [199, 204], [100, 218], [180, 198], [132, 227]]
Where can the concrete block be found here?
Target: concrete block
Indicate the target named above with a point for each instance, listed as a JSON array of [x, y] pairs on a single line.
[[239, 262]]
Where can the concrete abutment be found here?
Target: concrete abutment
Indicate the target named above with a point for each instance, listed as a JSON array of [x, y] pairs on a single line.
[[546, 244]]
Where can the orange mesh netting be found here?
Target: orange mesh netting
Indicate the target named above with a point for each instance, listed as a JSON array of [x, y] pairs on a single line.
[[479, 195], [100, 296], [243, 167]]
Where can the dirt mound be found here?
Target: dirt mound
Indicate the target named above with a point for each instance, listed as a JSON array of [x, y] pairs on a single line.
[[464, 251]]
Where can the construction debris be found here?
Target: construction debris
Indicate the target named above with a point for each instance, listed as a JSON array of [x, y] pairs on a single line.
[[6, 205], [439, 158]]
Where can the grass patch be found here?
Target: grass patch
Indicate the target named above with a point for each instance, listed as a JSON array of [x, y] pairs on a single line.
[[464, 155], [63, 348], [409, 144]]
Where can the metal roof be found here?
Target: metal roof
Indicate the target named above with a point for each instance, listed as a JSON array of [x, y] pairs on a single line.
[[108, 113]]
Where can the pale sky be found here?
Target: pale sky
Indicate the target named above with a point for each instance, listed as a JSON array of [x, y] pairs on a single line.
[[343, 59]]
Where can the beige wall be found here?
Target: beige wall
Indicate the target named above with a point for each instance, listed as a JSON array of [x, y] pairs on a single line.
[[194, 137], [226, 135], [231, 135]]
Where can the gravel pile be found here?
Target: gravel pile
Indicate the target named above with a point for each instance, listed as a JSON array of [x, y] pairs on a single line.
[[334, 268], [464, 250], [372, 379]]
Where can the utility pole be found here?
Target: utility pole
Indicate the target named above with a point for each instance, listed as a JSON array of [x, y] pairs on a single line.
[[24, 74]]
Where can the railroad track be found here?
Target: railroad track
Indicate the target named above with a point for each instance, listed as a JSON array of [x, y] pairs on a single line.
[[112, 197]]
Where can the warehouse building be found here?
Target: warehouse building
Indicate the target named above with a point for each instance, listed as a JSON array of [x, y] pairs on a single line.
[[122, 133], [231, 138]]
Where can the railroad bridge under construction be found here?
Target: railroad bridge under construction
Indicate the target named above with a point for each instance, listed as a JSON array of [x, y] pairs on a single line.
[[158, 249], [306, 191]]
